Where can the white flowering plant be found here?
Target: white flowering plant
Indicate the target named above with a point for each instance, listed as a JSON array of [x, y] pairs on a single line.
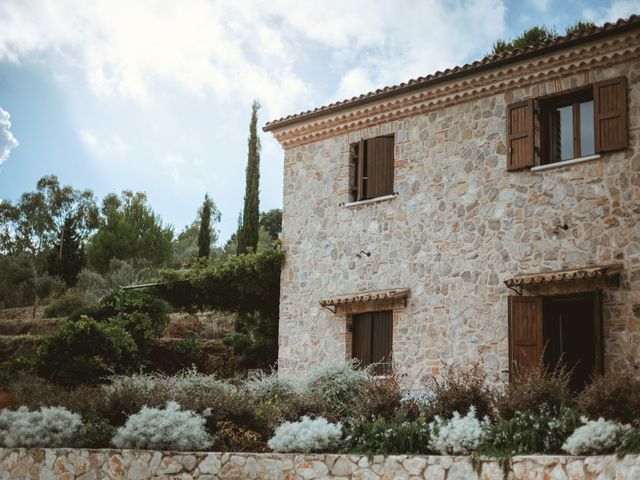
[[595, 437], [307, 435], [169, 428], [47, 427], [459, 435]]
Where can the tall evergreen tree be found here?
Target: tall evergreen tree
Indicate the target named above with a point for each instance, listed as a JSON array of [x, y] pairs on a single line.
[[67, 256], [204, 234], [248, 234]]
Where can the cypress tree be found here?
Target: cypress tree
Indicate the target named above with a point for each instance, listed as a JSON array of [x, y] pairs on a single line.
[[204, 234], [248, 233]]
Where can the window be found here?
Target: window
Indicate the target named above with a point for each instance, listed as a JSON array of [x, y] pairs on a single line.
[[572, 125], [371, 340], [372, 168], [567, 127]]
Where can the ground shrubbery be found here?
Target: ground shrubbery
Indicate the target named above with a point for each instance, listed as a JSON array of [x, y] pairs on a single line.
[[331, 408]]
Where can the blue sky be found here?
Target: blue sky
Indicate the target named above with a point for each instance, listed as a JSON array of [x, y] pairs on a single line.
[[155, 95]]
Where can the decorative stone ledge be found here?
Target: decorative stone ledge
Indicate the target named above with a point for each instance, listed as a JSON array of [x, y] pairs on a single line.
[[84, 464]]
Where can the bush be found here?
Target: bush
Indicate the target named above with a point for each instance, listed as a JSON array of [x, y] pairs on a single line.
[[48, 427], [307, 435], [395, 435], [540, 431], [237, 438], [595, 437], [269, 387], [96, 432], [92, 286], [183, 327], [613, 397], [534, 387], [163, 429], [126, 395], [47, 286], [334, 388], [17, 284], [458, 435], [65, 305], [630, 443], [85, 351], [380, 397], [460, 389]]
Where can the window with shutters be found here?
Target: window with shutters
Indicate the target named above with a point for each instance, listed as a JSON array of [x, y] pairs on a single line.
[[372, 334], [372, 164], [572, 125]]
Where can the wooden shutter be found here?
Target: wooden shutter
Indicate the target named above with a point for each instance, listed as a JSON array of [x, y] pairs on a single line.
[[381, 343], [361, 335], [525, 333], [520, 135], [610, 114], [379, 166], [361, 171]]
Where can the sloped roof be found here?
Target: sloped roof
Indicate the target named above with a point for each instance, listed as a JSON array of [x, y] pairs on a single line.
[[365, 297], [563, 275], [468, 69]]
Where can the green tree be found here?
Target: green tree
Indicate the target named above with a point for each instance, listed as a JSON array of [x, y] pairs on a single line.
[[205, 233], [271, 222], [129, 230], [538, 34], [248, 234], [67, 256], [186, 246]]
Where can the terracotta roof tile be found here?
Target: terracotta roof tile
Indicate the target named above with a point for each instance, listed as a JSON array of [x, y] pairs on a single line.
[[466, 69], [365, 297], [563, 275]]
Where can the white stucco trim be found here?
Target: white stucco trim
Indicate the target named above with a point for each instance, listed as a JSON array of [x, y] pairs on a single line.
[[566, 163], [371, 200]]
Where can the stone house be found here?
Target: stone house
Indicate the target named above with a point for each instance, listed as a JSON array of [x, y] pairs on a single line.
[[487, 213]]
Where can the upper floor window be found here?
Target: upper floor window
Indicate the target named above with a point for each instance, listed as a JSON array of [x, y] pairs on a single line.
[[571, 125], [372, 166]]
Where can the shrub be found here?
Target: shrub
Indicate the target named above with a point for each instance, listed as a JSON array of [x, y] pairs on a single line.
[[65, 305], [305, 436], [534, 387], [237, 438], [380, 397], [541, 431], [85, 351], [630, 443], [95, 432], [47, 286], [92, 286], [395, 435], [334, 387], [460, 389], [613, 397], [458, 435], [268, 387], [126, 395], [595, 437], [47, 427], [182, 327], [163, 429]]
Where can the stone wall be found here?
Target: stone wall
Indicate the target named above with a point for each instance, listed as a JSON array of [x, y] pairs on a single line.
[[459, 225], [70, 464]]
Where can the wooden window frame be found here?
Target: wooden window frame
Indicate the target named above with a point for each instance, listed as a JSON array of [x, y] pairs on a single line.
[[551, 102], [385, 367], [358, 184]]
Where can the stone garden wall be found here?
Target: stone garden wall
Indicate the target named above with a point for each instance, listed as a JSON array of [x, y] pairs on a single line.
[[80, 464], [460, 223]]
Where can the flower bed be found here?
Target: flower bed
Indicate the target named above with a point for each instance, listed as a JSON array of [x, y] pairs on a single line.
[[80, 464]]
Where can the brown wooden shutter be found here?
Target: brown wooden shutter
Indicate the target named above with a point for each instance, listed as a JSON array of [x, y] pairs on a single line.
[[360, 171], [361, 335], [379, 166], [520, 135], [381, 344], [525, 333], [610, 114]]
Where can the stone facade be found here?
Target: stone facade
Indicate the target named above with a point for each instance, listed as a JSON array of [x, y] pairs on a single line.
[[460, 223], [76, 464]]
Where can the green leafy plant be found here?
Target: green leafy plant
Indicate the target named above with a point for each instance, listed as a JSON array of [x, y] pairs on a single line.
[[65, 305], [387, 436], [630, 443], [86, 351]]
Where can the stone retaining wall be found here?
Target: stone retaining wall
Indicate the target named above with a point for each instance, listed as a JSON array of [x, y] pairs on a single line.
[[82, 464]]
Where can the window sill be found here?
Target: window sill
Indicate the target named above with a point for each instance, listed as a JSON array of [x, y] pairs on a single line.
[[566, 163], [384, 198]]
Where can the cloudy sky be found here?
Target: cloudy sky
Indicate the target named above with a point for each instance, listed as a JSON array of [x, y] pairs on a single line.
[[155, 95]]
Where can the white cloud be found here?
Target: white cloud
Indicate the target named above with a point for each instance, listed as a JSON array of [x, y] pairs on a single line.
[[109, 147], [246, 49], [7, 141], [618, 9]]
